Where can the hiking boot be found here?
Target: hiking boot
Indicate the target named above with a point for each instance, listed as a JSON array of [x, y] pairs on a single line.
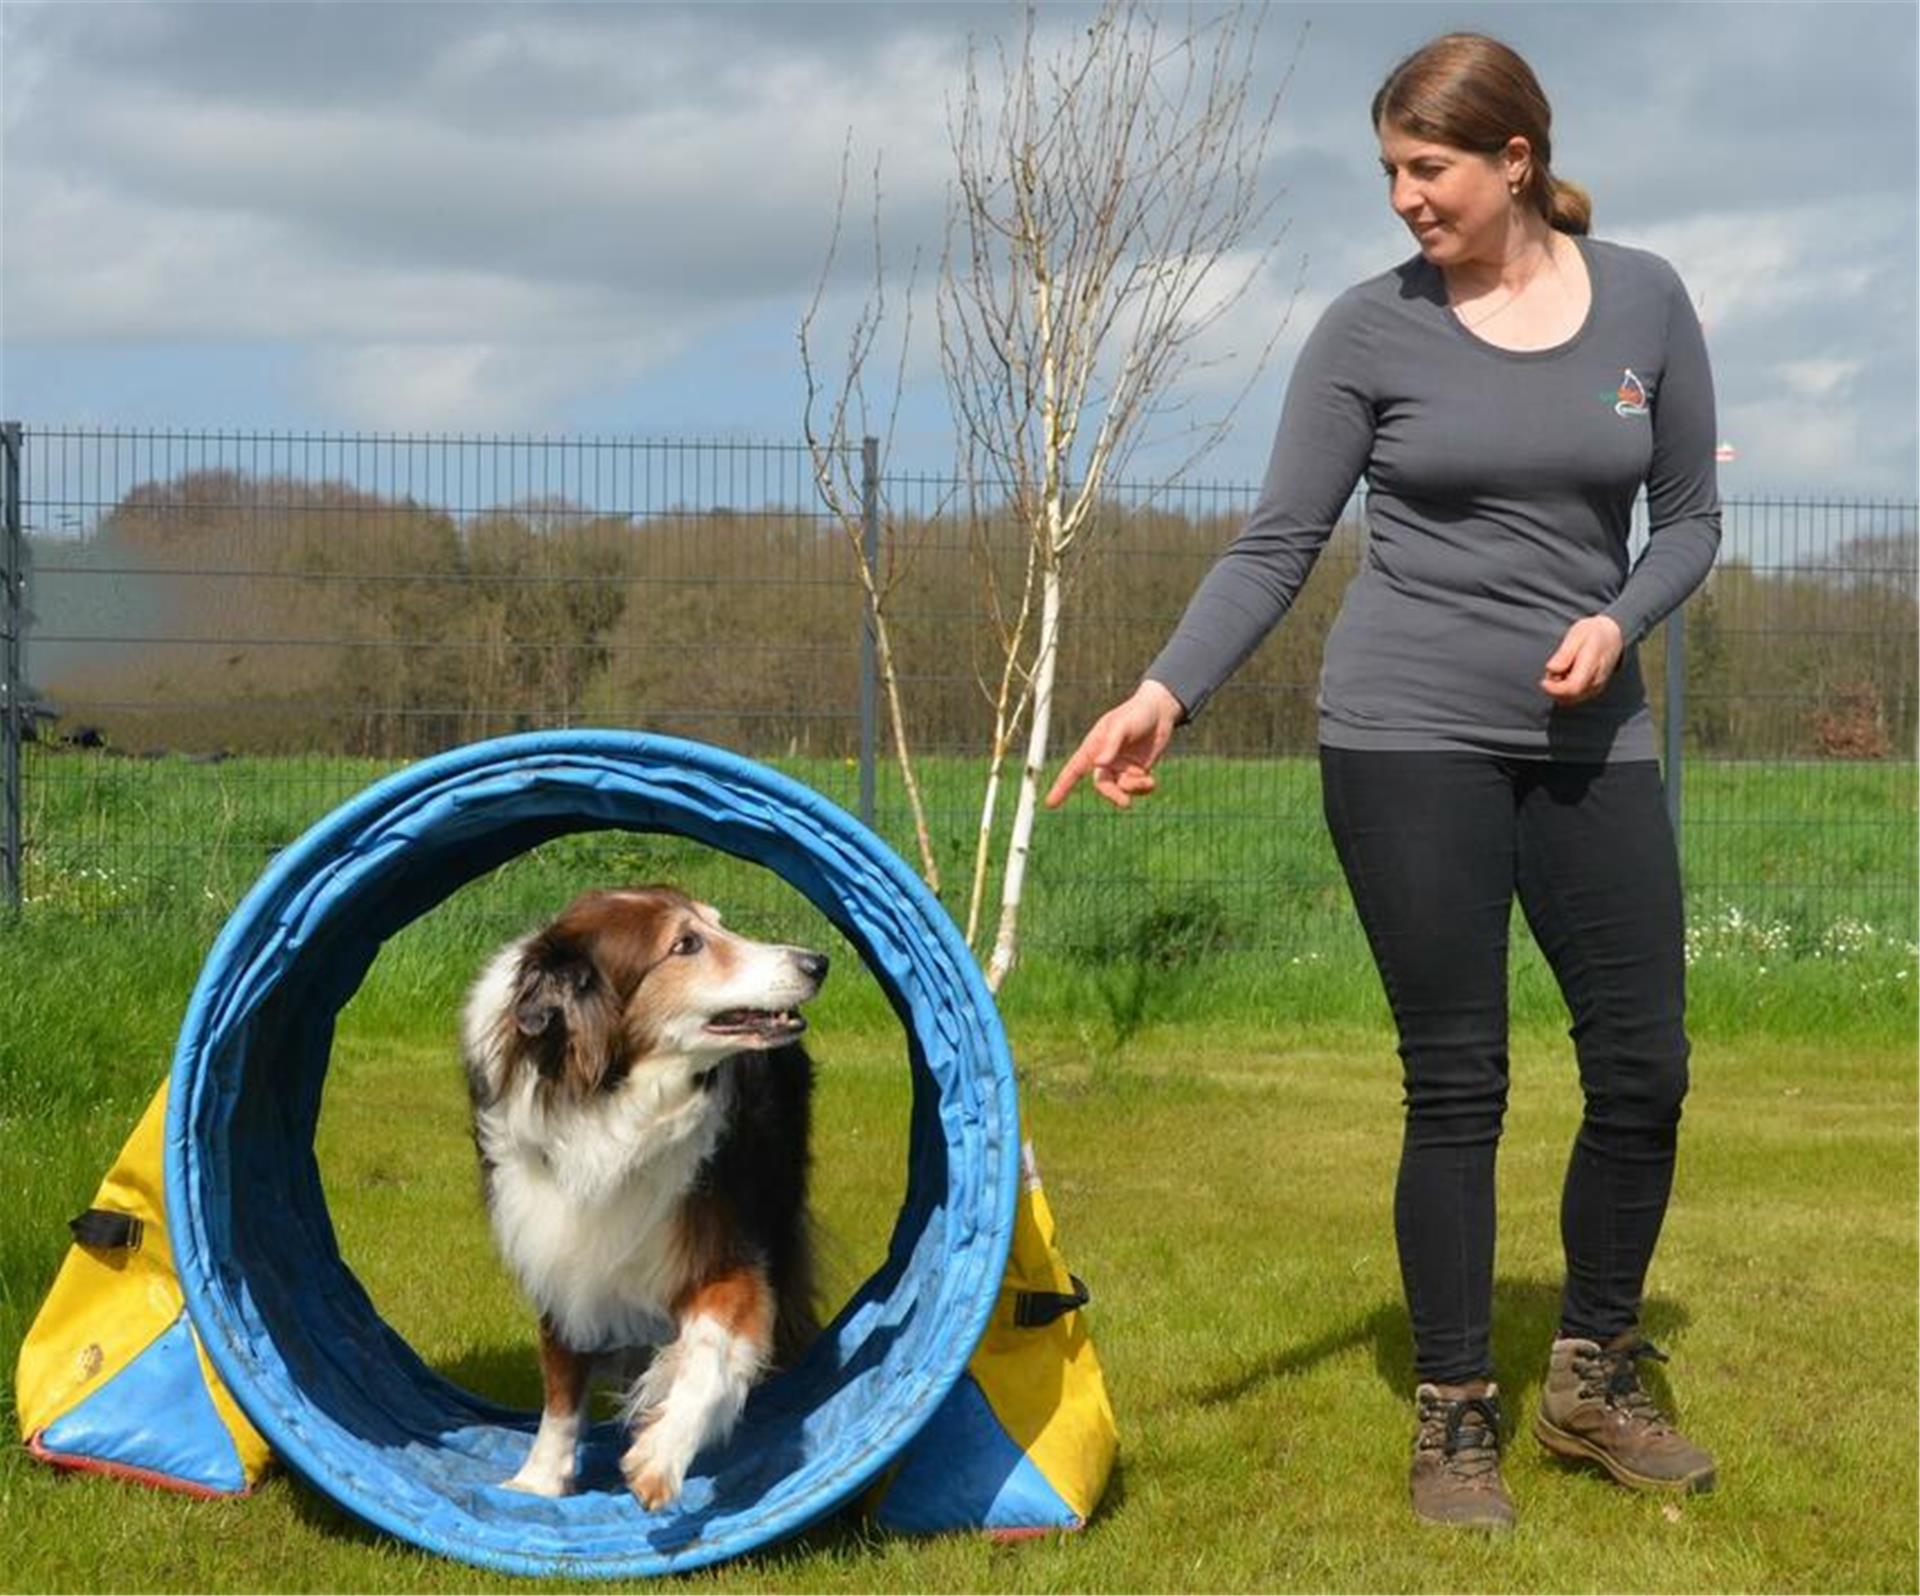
[[1456, 1460], [1594, 1407]]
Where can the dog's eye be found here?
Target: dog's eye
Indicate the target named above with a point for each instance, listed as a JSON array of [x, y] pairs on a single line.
[[692, 942]]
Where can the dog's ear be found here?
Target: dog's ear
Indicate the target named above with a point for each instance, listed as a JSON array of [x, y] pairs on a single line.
[[565, 1011], [553, 975]]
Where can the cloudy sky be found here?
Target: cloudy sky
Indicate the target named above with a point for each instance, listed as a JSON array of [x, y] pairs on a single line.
[[609, 218]]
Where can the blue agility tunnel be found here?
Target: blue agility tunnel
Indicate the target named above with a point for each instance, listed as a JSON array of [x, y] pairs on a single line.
[[343, 1400]]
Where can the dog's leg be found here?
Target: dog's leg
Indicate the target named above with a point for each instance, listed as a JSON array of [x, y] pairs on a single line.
[[692, 1394], [549, 1468]]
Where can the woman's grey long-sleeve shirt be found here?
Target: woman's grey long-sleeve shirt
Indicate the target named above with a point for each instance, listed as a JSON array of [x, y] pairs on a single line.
[[1500, 489]]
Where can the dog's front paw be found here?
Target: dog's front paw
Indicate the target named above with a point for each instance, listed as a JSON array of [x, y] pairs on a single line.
[[653, 1475], [540, 1482], [653, 1490]]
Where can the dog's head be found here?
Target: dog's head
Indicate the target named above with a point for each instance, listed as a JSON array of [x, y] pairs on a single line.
[[624, 979]]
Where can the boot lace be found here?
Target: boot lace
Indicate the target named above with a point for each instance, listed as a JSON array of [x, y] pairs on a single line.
[[1614, 1377], [1466, 1433]]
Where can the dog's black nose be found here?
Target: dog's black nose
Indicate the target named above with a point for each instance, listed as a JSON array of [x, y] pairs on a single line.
[[812, 965]]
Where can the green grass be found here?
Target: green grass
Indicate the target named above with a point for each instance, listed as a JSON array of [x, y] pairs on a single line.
[[1218, 1136], [1232, 854], [1209, 1077]]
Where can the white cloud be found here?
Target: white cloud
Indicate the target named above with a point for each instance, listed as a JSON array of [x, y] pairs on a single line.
[[1795, 441], [1808, 311], [452, 270], [1749, 264], [1276, 307], [111, 269], [465, 386], [1820, 379], [492, 215]]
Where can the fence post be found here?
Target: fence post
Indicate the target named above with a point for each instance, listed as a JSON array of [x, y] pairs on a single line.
[[1676, 715], [869, 652], [13, 623]]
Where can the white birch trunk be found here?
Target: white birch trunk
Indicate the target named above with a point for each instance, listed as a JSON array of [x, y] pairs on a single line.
[[983, 839], [1007, 708], [1013, 881]]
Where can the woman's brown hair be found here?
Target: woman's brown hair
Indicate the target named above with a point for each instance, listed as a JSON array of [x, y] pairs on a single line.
[[1475, 93]]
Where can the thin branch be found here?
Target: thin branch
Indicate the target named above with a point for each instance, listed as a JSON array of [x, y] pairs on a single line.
[[1101, 224]]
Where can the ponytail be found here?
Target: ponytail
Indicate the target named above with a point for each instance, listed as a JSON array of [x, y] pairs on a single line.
[[1569, 207]]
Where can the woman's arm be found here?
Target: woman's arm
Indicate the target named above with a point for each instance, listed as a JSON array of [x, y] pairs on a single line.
[[1325, 436], [1683, 496], [1321, 449]]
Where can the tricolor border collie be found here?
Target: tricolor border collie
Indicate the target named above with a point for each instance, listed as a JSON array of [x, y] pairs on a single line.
[[640, 1107]]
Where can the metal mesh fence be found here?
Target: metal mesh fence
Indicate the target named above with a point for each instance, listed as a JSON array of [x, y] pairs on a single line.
[[221, 636]]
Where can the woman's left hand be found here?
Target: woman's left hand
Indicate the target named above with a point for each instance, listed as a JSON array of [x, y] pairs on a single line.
[[1584, 662]]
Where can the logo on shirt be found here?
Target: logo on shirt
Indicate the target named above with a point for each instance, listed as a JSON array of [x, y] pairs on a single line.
[[1630, 399]]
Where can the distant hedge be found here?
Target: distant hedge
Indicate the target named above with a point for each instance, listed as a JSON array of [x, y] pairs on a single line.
[[220, 611]]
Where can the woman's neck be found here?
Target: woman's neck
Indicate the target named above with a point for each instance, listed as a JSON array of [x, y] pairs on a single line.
[[1526, 251]]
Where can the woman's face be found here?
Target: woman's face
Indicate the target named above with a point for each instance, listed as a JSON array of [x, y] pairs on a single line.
[[1457, 203]]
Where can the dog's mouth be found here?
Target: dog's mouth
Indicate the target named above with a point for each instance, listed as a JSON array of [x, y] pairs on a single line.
[[759, 1025]]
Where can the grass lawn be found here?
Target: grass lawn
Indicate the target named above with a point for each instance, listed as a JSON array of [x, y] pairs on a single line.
[[1219, 1150], [1232, 854]]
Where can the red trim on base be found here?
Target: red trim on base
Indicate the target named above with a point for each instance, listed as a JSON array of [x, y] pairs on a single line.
[[1006, 1537], [126, 1471]]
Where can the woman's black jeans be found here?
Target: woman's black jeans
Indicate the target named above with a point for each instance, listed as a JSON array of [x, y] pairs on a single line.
[[1435, 845]]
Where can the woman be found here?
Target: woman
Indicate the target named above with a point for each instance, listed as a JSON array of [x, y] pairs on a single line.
[[1483, 725]]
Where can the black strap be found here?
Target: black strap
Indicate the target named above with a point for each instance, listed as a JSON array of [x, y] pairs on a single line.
[[102, 1228], [1032, 1309]]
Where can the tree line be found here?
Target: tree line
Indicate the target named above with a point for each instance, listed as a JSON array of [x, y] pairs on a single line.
[[225, 612]]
